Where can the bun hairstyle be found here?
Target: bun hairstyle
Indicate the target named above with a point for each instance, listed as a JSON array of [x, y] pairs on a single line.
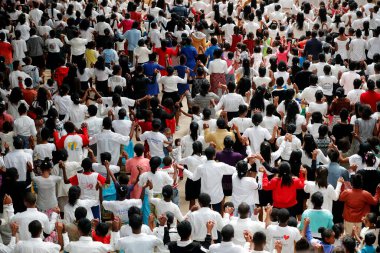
[[242, 168], [370, 159], [46, 164]]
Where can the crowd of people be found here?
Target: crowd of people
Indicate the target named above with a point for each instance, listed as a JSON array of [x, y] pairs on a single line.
[[281, 154]]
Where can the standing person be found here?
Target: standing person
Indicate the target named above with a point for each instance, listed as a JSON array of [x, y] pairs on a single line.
[[370, 97], [357, 203], [218, 69], [170, 84], [165, 55], [101, 73], [19, 47], [211, 174], [220, 133], [54, 46], [151, 69], [347, 79], [35, 46], [78, 46], [313, 46], [191, 54], [24, 126], [133, 166], [108, 141], [230, 102], [132, 36], [284, 187]]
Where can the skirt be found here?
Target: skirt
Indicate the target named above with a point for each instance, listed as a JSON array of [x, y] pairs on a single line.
[[153, 89], [227, 185], [265, 198], [53, 60], [173, 95], [192, 189], [215, 79]]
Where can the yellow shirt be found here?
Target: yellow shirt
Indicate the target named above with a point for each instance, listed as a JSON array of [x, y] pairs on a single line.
[[91, 57], [218, 137]]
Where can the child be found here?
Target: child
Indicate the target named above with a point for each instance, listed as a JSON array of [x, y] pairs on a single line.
[[91, 54], [230, 77], [369, 240], [176, 151], [196, 115], [100, 234], [7, 136], [172, 172], [169, 136]]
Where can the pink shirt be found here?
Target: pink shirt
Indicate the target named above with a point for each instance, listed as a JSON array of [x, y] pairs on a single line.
[[131, 166]]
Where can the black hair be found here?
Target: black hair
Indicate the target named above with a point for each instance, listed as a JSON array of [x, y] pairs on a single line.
[[227, 233], [210, 153], [84, 226], [184, 229], [284, 172], [154, 163], [73, 195], [204, 200], [35, 228]]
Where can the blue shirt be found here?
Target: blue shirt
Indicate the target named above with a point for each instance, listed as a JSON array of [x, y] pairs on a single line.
[[368, 249], [336, 171], [109, 55], [210, 52], [181, 71], [318, 218], [132, 36]]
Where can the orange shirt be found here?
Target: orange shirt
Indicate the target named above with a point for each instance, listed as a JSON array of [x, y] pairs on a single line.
[[6, 51], [29, 95]]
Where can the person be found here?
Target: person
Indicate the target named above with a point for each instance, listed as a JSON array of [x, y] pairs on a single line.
[[25, 218], [35, 243], [357, 202], [284, 183], [24, 126], [230, 102], [370, 97], [211, 174], [227, 244]]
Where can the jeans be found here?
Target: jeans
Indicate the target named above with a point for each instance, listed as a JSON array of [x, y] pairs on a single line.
[[25, 141]]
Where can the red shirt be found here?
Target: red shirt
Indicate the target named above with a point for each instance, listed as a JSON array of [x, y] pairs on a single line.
[[6, 51], [29, 95], [357, 203], [126, 24], [74, 179], [283, 196], [7, 117], [236, 38], [60, 142], [97, 238], [370, 98], [136, 16], [60, 73]]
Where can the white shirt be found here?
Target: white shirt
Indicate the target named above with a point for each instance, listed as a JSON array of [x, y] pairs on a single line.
[[156, 142], [77, 114], [295, 144], [102, 75], [69, 210], [162, 207], [247, 224], [226, 247], [357, 49], [120, 208], [23, 219], [158, 179], [187, 145], [18, 159], [74, 145], [25, 126], [354, 95], [62, 104], [78, 45], [309, 93], [101, 26], [19, 49], [198, 221], [242, 190], [211, 173], [269, 122], [126, 230], [71, 170], [193, 162], [327, 84], [54, 45], [169, 83], [41, 151], [109, 141], [256, 135], [218, 66], [35, 15], [36, 245], [230, 102], [329, 194], [45, 199], [138, 243], [94, 125], [142, 53], [373, 46], [114, 81], [155, 37], [287, 235], [85, 244]]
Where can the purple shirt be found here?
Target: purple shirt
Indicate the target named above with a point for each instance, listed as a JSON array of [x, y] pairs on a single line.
[[228, 156]]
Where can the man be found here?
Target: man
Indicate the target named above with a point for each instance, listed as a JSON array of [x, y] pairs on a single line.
[[85, 243], [108, 141], [35, 45], [308, 94], [244, 223], [132, 166], [35, 244], [227, 244], [19, 159], [313, 46], [212, 173], [200, 217], [132, 36], [230, 102], [24, 126], [302, 77], [370, 97], [72, 141], [156, 140], [25, 218], [94, 124], [347, 78], [138, 242]]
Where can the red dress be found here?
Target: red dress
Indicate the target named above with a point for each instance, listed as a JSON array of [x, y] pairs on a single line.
[[165, 57], [170, 123], [250, 45]]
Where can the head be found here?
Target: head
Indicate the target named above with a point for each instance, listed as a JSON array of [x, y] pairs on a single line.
[[283, 216], [84, 227], [184, 230], [317, 200], [227, 233], [35, 228], [204, 200], [284, 173], [357, 181], [30, 200], [139, 149], [86, 164]]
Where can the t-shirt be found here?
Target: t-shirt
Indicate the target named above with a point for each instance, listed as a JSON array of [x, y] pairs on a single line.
[[256, 136], [156, 142], [287, 235], [327, 84], [87, 181], [46, 186]]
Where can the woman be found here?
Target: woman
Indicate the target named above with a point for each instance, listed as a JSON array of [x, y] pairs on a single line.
[[338, 104], [284, 187], [204, 98], [365, 126], [102, 74], [309, 146], [244, 186], [300, 26], [74, 202], [84, 74], [43, 101], [72, 80], [281, 72], [165, 55], [191, 54], [319, 105], [341, 44], [293, 116], [357, 203], [258, 102], [295, 166], [193, 188], [218, 70], [370, 174], [188, 140], [321, 185], [14, 100], [245, 71], [336, 24]]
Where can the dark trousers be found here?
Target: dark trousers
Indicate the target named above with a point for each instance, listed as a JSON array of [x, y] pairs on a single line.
[[231, 115], [217, 207], [337, 211], [75, 59]]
